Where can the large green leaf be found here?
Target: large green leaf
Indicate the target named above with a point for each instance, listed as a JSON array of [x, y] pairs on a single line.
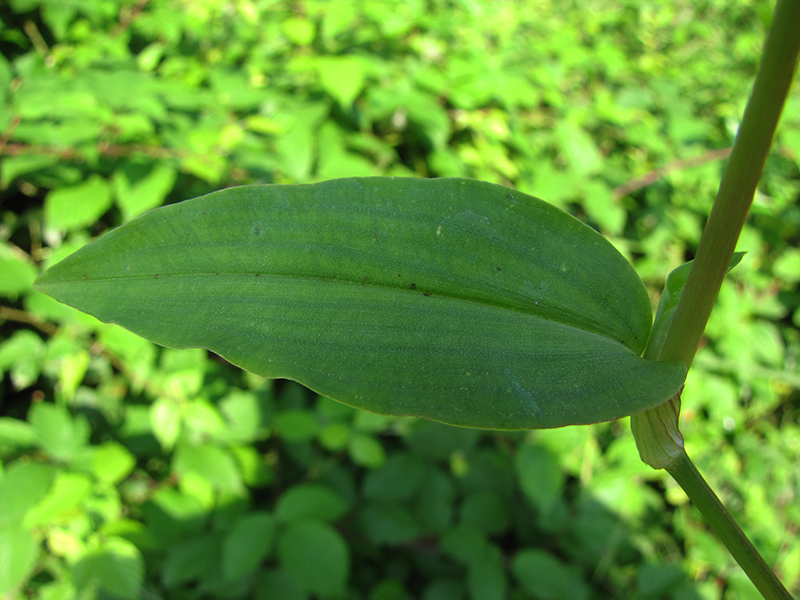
[[456, 300]]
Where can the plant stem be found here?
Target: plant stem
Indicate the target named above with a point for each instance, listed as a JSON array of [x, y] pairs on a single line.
[[727, 529], [655, 430], [735, 195]]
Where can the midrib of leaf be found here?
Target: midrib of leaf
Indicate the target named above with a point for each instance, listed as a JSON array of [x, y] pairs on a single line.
[[419, 291]]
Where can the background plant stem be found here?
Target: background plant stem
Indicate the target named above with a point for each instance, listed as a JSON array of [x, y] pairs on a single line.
[[735, 195]]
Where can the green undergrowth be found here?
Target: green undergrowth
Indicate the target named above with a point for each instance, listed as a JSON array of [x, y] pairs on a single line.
[[129, 471]]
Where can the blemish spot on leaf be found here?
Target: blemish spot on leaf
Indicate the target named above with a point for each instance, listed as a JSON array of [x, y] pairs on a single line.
[[413, 286], [256, 231], [520, 391]]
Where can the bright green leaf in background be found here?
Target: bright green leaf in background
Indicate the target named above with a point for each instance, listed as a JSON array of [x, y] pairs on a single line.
[[77, 206], [21, 355], [59, 434], [360, 288], [210, 462], [21, 487], [112, 462], [342, 77], [18, 549], [116, 568], [139, 188], [165, 420], [16, 275], [68, 492]]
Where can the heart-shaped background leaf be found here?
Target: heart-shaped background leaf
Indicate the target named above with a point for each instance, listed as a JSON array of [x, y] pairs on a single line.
[[456, 300]]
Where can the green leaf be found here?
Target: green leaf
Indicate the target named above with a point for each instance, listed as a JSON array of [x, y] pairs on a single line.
[[139, 188], [15, 434], [247, 543], [548, 578], [668, 304], [16, 275], [166, 419], [583, 157], [434, 503], [59, 434], [397, 480], [278, 584], [456, 300], [486, 579], [540, 476], [310, 501], [112, 462], [22, 354], [315, 556], [18, 549], [297, 425], [189, 559], [116, 567], [246, 415], [342, 77], [68, 492], [77, 206], [22, 486], [209, 462], [388, 523], [485, 510], [366, 451]]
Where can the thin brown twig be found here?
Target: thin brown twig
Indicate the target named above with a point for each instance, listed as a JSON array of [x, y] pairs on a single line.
[[106, 149], [12, 126], [20, 316], [676, 165], [103, 148], [127, 15], [36, 38]]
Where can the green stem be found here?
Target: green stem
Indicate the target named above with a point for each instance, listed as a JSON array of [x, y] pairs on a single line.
[[735, 195], [727, 529], [656, 431]]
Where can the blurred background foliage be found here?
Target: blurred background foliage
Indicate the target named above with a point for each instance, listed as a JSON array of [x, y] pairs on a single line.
[[130, 471]]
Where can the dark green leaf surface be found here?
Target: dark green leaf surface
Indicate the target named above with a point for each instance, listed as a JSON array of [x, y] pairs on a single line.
[[456, 300]]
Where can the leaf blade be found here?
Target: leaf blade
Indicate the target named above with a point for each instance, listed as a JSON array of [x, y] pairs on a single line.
[[456, 300]]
